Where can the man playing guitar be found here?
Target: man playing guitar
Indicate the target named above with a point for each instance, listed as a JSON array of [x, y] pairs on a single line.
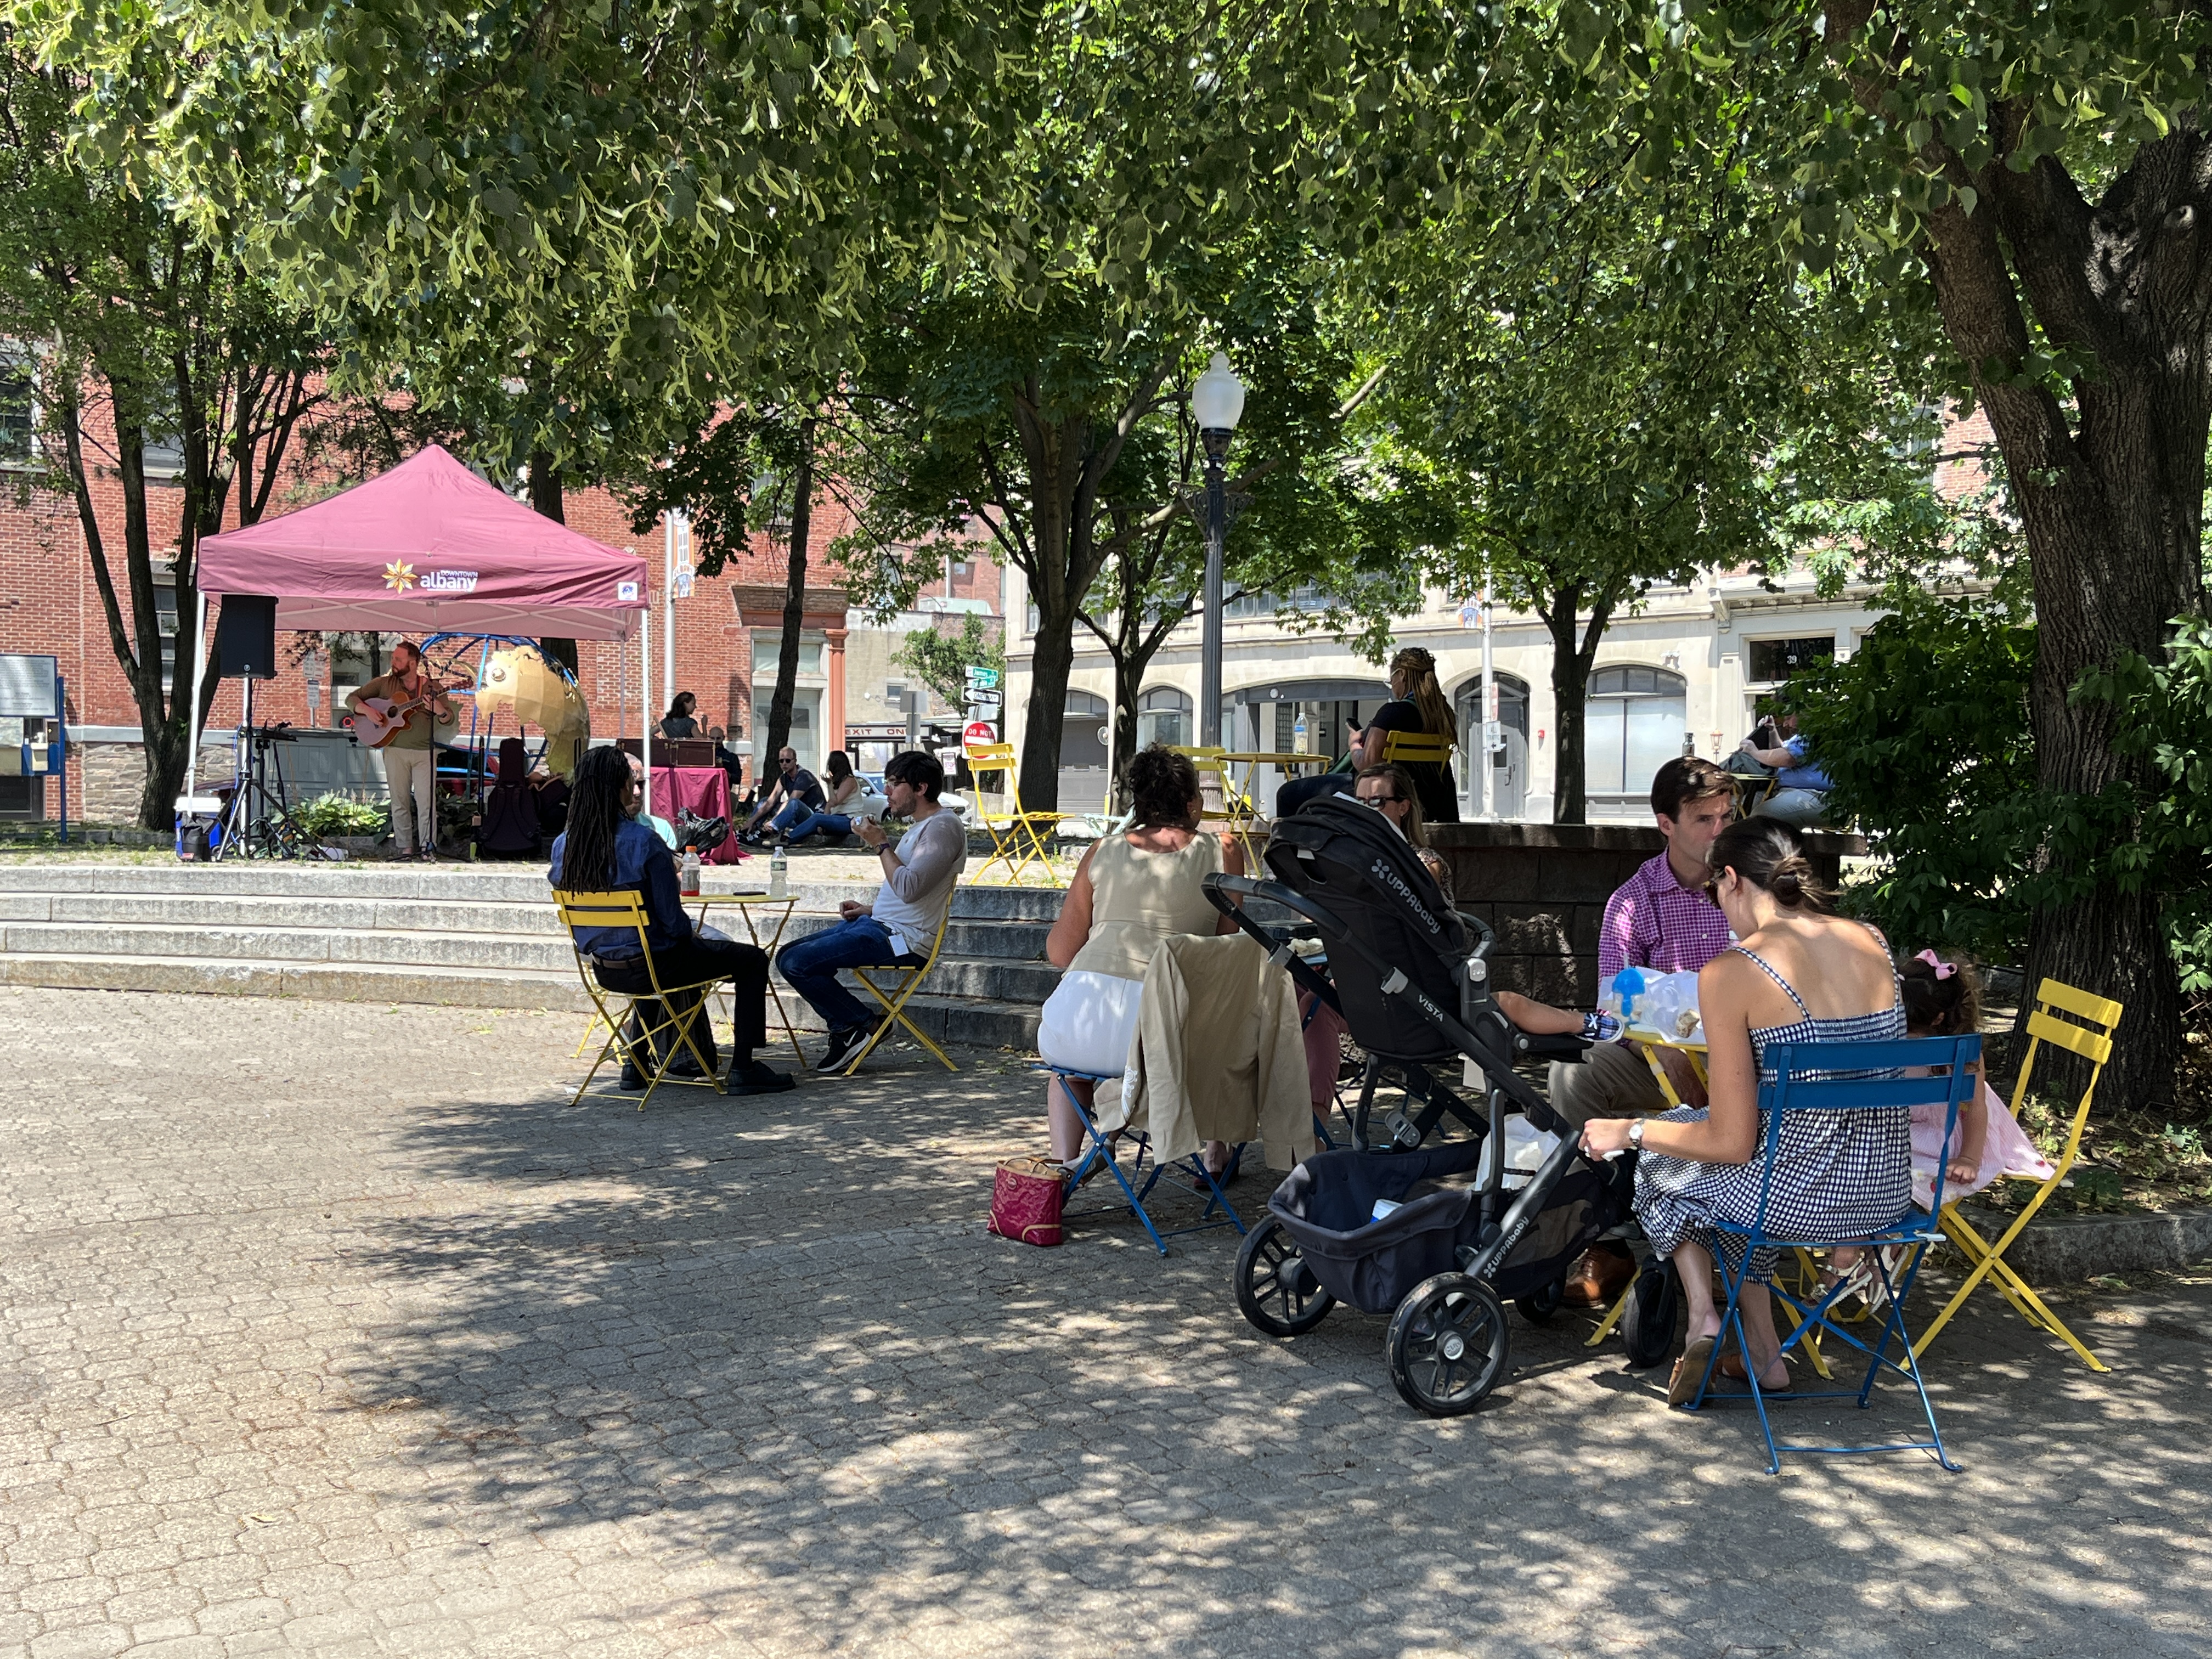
[[410, 760]]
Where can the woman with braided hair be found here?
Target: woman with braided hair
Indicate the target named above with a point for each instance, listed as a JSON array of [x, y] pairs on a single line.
[[1416, 705]]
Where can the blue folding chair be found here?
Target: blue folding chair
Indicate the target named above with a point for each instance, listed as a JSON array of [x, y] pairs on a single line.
[[1806, 1080], [1144, 1172]]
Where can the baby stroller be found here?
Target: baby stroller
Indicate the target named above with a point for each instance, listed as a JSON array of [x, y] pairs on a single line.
[[1414, 989]]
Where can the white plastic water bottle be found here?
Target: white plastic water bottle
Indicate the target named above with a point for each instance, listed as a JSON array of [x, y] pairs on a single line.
[[779, 871], [688, 873]]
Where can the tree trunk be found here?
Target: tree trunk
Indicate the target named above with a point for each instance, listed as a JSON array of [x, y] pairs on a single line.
[[546, 490], [1570, 696], [795, 607], [2111, 504], [1126, 678], [1052, 655]]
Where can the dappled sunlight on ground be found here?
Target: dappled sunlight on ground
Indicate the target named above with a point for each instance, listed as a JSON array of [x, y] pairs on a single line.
[[747, 1377]]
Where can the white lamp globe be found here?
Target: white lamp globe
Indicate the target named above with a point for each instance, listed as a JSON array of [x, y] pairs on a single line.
[[1218, 400]]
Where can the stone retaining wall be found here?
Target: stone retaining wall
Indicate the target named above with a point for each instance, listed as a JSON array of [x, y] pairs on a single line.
[[1543, 887]]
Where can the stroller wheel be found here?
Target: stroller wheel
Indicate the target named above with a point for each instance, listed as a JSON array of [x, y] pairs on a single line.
[[1539, 1307], [1447, 1345], [1647, 1324], [1277, 1291]]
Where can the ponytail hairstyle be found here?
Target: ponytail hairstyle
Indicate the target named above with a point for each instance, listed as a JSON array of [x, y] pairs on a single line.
[[1941, 999], [1765, 853], [1414, 676]]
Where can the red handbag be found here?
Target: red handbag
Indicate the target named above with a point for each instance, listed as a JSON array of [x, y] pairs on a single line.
[[1025, 1201]]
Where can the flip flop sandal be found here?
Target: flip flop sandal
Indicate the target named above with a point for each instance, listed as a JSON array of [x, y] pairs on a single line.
[[1732, 1367], [1689, 1371]]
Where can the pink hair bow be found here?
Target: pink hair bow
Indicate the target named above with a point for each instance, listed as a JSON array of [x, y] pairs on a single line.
[[1943, 969]]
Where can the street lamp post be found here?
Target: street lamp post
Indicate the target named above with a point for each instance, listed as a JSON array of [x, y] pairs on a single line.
[[1216, 403]]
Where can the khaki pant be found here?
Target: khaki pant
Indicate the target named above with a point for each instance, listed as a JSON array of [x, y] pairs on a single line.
[[412, 776], [1613, 1080]]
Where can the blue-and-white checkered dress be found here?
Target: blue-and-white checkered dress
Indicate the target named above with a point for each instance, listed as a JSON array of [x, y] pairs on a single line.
[[1836, 1175]]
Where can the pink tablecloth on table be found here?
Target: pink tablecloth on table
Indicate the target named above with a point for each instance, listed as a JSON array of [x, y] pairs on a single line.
[[702, 791]]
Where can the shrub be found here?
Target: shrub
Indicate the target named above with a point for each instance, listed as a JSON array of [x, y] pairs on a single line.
[[337, 815]]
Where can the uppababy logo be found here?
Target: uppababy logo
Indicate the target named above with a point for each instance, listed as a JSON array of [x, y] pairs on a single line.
[[449, 581], [1390, 878]]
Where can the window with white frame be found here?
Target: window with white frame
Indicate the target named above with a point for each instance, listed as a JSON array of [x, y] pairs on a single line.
[[1632, 725], [19, 412]]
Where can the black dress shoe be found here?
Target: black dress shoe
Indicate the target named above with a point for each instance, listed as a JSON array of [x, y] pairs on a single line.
[[631, 1079], [754, 1078]]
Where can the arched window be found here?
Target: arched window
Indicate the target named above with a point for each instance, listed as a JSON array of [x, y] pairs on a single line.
[[1633, 725], [1164, 715], [1083, 734]]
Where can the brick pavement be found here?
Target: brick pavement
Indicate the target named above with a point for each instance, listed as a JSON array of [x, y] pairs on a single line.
[[332, 1329]]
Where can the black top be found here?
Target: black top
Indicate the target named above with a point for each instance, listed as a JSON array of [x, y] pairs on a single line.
[[1437, 788], [679, 725]]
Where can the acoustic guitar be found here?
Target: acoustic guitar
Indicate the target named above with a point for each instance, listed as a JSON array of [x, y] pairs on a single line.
[[379, 719]]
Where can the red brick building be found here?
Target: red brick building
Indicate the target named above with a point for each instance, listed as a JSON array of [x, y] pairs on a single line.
[[726, 634]]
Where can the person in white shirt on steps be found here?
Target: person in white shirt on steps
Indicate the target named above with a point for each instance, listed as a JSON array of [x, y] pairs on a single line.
[[899, 927]]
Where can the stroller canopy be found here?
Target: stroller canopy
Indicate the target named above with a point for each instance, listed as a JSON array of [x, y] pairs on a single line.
[[1353, 863]]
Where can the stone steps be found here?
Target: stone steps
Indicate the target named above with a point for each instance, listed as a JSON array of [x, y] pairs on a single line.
[[463, 935]]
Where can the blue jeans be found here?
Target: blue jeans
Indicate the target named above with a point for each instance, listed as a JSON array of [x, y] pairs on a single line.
[[832, 824], [1800, 809], [811, 966], [790, 814]]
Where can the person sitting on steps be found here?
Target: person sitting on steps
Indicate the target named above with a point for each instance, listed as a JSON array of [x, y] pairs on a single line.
[[796, 791], [896, 930], [834, 816]]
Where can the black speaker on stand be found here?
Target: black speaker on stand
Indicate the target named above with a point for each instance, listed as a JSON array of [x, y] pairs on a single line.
[[245, 649], [246, 637]]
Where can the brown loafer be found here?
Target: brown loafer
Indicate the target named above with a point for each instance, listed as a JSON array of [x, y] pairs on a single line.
[[1601, 1274]]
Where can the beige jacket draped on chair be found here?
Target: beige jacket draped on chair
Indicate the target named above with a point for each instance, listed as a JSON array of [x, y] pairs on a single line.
[[1218, 1054]]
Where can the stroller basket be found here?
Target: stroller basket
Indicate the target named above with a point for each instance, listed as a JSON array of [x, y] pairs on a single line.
[[1326, 1202]]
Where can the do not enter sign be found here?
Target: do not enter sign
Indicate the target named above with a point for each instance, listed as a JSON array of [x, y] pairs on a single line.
[[980, 732]]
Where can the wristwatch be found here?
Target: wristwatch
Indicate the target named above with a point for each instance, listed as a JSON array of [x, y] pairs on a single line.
[[1635, 1134]]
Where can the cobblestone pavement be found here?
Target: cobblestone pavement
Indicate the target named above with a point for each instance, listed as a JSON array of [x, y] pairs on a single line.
[[335, 1330]]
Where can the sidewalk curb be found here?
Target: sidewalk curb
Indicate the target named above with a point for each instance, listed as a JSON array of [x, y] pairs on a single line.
[[2063, 1250]]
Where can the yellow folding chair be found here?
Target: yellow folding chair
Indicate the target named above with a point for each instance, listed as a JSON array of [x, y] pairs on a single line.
[[628, 910], [1018, 836], [1416, 749], [902, 984], [2088, 1033]]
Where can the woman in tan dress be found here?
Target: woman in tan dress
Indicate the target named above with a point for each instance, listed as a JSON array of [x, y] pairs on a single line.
[[1132, 891]]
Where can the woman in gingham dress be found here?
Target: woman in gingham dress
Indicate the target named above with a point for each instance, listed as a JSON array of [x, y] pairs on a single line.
[[1800, 974]]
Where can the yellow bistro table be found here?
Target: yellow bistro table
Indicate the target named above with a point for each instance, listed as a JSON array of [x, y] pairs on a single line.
[[747, 903], [1246, 809]]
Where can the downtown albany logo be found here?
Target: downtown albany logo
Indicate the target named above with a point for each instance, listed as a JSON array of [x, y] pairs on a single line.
[[400, 576]]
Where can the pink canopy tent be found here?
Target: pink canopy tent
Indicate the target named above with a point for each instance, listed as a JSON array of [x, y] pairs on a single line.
[[426, 547]]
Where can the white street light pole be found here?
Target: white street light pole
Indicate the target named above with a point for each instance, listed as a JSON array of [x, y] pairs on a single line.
[[1488, 761], [1216, 403]]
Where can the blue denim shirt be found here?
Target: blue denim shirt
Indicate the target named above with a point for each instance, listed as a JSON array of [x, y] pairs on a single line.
[[642, 864], [1807, 773]]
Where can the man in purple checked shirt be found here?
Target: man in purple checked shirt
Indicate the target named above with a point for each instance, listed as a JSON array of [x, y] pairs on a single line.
[[1658, 918]]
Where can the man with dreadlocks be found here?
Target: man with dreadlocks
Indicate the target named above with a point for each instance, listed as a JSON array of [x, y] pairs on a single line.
[[605, 849]]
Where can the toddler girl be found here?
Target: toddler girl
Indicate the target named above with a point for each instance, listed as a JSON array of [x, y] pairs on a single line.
[[1943, 999]]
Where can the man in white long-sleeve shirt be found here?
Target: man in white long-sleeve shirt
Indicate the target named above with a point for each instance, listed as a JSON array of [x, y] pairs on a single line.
[[899, 927]]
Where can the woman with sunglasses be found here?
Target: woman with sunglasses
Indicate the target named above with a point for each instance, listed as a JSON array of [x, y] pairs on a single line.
[[1391, 791]]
